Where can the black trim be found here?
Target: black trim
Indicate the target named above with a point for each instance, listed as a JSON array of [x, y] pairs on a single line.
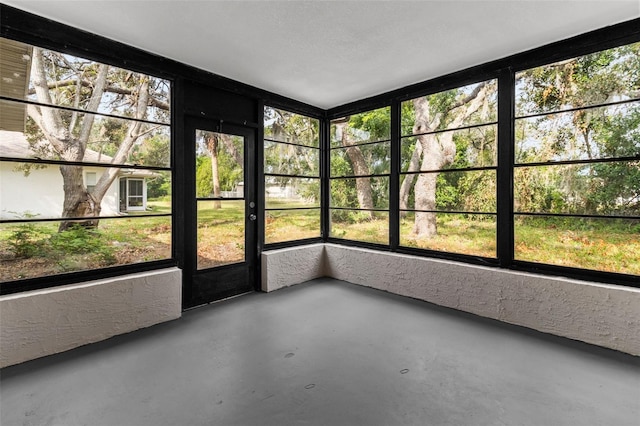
[[600, 39], [292, 176], [561, 111], [466, 169], [29, 28], [504, 186], [84, 111], [471, 126], [394, 179], [82, 164], [292, 243], [577, 273], [449, 212], [360, 144], [359, 176], [83, 219], [260, 196], [361, 244], [581, 161], [220, 198], [325, 175], [359, 209], [583, 216], [32, 29], [292, 143], [10, 287], [458, 257], [274, 209]]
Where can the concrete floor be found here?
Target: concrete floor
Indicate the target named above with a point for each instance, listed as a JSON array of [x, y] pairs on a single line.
[[326, 353]]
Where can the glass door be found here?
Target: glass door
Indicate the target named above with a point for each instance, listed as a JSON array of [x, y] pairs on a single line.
[[223, 252]]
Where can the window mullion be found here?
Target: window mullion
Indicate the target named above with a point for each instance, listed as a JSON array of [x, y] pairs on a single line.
[[506, 134]]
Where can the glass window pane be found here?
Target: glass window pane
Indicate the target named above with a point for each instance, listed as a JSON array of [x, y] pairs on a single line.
[[454, 233], [464, 106], [219, 165], [38, 249], [135, 187], [597, 188], [370, 126], [362, 193], [280, 158], [108, 139], [371, 159], [611, 245], [606, 132], [599, 78], [474, 147], [221, 225], [74, 82], [285, 126], [286, 192], [360, 225], [291, 225], [464, 191], [31, 190]]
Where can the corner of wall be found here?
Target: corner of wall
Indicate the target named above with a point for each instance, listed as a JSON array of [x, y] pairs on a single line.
[[293, 265], [600, 314]]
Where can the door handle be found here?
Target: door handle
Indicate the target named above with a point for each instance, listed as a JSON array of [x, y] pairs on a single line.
[[252, 217]]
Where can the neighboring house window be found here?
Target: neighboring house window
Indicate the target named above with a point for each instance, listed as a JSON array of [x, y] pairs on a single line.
[[70, 128], [132, 194], [291, 176], [577, 162], [359, 159], [448, 170], [90, 179]]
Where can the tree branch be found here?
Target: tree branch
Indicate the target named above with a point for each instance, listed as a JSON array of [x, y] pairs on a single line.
[[154, 102]]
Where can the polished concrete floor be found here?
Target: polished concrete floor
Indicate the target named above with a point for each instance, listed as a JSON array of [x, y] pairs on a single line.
[[326, 353]]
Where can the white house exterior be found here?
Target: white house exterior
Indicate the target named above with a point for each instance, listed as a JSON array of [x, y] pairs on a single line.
[[45, 195]]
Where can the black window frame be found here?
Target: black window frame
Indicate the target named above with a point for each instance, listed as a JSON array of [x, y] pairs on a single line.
[[504, 71], [28, 28], [330, 178], [63, 278], [264, 175]]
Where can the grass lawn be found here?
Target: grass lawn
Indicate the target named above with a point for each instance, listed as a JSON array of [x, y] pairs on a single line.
[[30, 250], [606, 245]]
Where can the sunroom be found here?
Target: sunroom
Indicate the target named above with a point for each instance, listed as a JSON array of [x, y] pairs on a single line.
[[495, 195]]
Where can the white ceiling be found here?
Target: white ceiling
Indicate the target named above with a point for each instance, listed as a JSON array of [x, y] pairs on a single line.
[[328, 53]]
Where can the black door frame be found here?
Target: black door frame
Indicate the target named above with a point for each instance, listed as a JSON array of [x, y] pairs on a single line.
[[208, 285]]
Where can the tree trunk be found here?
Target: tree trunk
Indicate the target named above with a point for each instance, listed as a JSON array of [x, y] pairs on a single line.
[[70, 142], [77, 201], [360, 167], [363, 185], [212, 146], [425, 224], [436, 154], [438, 151], [407, 183]]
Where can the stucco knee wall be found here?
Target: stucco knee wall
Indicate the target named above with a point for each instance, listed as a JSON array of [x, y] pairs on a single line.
[[600, 314], [38, 323], [595, 313], [294, 265]]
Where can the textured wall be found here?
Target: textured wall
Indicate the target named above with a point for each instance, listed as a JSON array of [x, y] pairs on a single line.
[[285, 267], [44, 322], [600, 314]]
